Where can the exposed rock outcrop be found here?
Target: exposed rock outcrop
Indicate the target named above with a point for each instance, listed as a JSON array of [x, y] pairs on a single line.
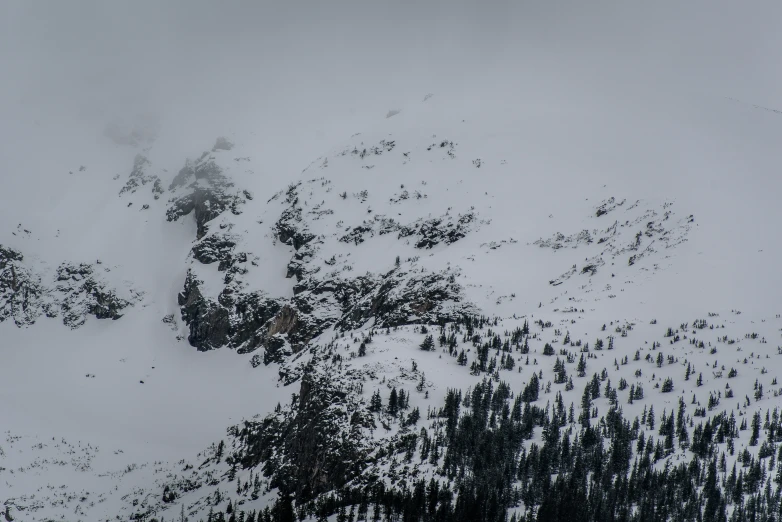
[[428, 233], [400, 297], [240, 322], [218, 248], [248, 321], [20, 290], [317, 444], [140, 177], [208, 193], [76, 293], [82, 295]]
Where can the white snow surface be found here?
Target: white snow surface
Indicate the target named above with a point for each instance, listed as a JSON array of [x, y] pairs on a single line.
[[529, 162]]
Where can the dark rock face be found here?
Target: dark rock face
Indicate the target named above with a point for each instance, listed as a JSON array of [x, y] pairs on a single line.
[[316, 445], [140, 177], [236, 319], [429, 233], [297, 267], [20, 290], [285, 326], [399, 298], [209, 323], [217, 248], [249, 321], [607, 206], [252, 312], [357, 234], [7, 255], [435, 231], [209, 193], [290, 230], [206, 203], [277, 350], [76, 293], [241, 322], [83, 295]]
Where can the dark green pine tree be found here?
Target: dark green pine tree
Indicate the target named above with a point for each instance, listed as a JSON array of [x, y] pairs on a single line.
[[586, 406], [376, 403], [283, 509], [581, 368], [393, 406], [531, 390], [753, 441]]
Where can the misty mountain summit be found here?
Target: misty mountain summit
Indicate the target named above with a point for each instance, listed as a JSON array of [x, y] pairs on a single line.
[[256, 267]]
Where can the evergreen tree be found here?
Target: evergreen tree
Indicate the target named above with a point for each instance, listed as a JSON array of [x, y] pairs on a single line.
[[581, 368], [393, 407], [753, 441], [531, 390], [376, 403]]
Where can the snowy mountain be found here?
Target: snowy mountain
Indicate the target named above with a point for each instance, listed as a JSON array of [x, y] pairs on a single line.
[[469, 309]]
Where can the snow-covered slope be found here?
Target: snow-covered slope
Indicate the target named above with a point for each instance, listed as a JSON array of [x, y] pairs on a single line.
[[234, 285]]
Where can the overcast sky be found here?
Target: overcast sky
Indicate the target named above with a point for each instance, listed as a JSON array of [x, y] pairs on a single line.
[[299, 68]]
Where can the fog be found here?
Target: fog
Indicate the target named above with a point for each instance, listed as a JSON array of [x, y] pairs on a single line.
[[297, 78], [311, 72]]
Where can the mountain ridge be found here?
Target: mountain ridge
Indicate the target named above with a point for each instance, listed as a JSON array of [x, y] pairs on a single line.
[[468, 226]]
